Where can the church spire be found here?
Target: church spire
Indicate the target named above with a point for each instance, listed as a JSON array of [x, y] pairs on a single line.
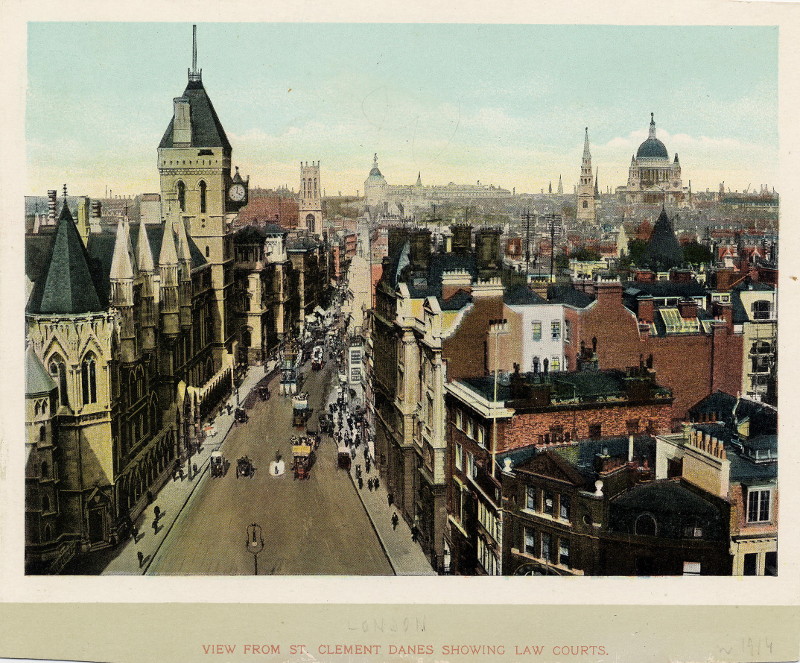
[[586, 153], [194, 73]]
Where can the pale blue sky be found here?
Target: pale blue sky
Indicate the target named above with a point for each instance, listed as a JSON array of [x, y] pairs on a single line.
[[504, 104]]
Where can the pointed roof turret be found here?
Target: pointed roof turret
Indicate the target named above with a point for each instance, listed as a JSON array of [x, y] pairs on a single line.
[[596, 176], [123, 261], [168, 254], [586, 153], [144, 255], [37, 380], [184, 253], [676, 157], [66, 284], [237, 179], [419, 178], [560, 185]]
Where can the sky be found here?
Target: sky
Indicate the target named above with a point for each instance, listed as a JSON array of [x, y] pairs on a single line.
[[500, 104]]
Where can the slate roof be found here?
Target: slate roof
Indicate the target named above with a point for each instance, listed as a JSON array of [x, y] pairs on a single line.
[[458, 301], [566, 294], [763, 418], [37, 380], [521, 295], [207, 130], [588, 386], [249, 235], [65, 284]]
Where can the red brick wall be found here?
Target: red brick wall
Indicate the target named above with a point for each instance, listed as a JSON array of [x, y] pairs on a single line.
[[524, 429], [682, 363], [464, 350]]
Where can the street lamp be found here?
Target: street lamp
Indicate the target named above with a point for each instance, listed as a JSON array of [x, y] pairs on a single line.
[[254, 543]]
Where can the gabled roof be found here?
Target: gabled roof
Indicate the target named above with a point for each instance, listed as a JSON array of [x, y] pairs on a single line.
[[551, 465], [37, 380], [67, 285], [207, 130]]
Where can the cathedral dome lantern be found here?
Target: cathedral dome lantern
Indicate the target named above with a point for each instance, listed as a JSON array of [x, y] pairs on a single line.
[[652, 148]]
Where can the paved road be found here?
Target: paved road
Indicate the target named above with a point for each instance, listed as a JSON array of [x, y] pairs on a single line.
[[317, 526]]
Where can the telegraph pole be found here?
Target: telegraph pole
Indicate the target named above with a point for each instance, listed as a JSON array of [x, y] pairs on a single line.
[[527, 217]]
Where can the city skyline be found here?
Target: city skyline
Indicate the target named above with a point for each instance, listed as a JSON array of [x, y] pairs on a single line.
[[363, 89]]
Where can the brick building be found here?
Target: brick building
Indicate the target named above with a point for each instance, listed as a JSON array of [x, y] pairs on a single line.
[[529, 411], [593, 508], [694, 353]]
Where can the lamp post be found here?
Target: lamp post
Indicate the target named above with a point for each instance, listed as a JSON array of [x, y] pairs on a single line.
[[254, 543], [496, 328]]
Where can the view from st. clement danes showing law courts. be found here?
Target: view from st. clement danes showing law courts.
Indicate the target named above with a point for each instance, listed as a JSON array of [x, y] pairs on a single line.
[[418, 379]]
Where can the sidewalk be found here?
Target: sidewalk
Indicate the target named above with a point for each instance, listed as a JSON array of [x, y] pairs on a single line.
[[175, 494], [405, 556]]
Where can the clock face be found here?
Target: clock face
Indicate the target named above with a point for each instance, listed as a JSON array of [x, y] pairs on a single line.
[[237, 193]]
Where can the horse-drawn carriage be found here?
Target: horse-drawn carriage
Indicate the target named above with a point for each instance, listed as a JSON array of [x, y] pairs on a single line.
[[302, 455], [317, 361], [245, 468], [240, 416], [218, 464], [326, 424], [344, 458]]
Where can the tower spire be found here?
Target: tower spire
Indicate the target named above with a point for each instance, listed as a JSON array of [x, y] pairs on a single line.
[[194, 73]]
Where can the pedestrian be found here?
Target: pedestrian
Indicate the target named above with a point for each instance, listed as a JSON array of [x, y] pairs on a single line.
[[360, 483], [369, 485], [395, 520], [390, 499], [140, 556], [377, 483], [367, 465], [157, 512], [194, 468], [180, 472], [230, 409], [358, 470], [155, 525], [135, 533], [414, 533]]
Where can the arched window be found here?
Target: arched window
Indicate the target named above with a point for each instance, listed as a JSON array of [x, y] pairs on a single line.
[[585, 204], [42, 435], [310, 222], [48, 533], [89, 379], [181, 195], [45, 470], [45, 503], [202, 196], [645, 525], [58, 371]]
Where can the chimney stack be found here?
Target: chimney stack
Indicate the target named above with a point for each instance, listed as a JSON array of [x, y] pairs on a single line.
[[462, 238], [182, 124], [487, 249]]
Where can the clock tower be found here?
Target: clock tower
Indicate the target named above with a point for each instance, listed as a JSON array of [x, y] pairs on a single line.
[[198, 191]]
